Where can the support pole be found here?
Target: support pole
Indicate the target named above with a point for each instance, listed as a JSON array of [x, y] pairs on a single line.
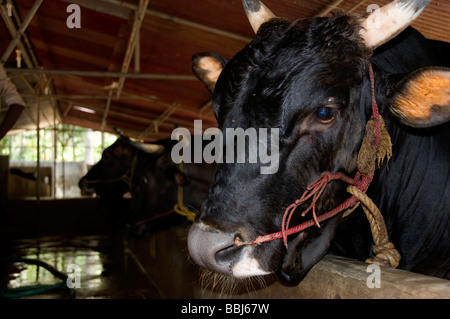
[[105, 115], [38, 158], [137, 53]]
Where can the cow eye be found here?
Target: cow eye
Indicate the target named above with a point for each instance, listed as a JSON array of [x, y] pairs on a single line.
[[326, 114]]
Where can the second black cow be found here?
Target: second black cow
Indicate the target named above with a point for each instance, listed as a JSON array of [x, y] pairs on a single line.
[[149, 174]]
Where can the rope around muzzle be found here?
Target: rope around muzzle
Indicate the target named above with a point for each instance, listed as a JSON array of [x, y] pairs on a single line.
[[375, 147]]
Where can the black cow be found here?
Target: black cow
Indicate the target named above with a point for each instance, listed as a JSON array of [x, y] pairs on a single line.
[[310, 79], [148, 172]]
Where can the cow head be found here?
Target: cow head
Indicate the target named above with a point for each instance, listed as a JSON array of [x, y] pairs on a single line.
[[143, 170], [308, 78], [110, 176]]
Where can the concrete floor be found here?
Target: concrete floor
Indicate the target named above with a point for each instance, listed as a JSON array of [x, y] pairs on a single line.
[[74, 235], [98, 261]]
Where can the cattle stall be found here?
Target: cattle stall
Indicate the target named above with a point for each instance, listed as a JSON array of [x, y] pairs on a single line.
[[93, 204]]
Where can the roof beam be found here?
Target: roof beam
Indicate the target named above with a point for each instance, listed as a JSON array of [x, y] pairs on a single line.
[[329, 8], [104, 8], [28, 54], [125, 96], [148, 76], [181, 21], [154, 127], [357, 5], [108, 105], [139, 17], [21, 30]]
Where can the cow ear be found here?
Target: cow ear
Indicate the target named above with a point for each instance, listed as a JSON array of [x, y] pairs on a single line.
[[422, 99], [207, 68]]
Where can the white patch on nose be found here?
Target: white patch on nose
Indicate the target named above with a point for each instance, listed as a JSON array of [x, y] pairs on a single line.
[[247, 266]]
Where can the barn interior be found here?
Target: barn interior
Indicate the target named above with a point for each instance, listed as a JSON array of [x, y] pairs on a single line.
[[123, 64]]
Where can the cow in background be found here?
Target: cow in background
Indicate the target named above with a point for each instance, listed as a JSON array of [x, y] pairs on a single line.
[[310, 78], [148, 173]]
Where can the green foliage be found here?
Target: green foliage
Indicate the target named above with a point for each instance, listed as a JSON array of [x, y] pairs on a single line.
[[70, 144]]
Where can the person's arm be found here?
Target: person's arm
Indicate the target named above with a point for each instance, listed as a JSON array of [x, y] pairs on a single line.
[[10, 119], [12, 98]]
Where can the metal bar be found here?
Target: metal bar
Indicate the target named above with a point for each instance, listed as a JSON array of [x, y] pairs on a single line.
[[38, 158], [139, 17], [181, 21], [55, 155], [13, 31], [137, 118], [153, 128], [206, 107], [24, 45], [137, 53], [125, 96], [148, 76], [25, 40], [21, 30], [330, 7], [66, 111], [105, 114], [102, 7], [356, 6]]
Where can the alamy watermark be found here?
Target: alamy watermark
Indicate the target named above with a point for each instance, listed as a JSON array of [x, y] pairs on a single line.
[[256, 146], [74, 19], [373, 280], [73, 278]]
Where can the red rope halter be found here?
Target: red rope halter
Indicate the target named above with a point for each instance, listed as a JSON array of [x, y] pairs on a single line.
[[316, 188]]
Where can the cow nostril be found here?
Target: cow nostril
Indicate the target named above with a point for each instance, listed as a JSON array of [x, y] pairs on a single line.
[[228, 255]]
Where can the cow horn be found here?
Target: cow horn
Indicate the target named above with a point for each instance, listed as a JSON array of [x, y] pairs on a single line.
[[257, 13], [385, 23], [149, 148]]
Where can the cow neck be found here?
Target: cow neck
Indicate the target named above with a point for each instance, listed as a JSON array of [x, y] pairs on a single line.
[[315, 189]]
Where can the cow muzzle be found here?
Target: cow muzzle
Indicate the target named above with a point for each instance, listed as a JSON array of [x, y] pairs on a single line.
[[85, 187], [215, 250]]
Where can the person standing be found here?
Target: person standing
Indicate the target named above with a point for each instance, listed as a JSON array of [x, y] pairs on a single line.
[[12, 98]]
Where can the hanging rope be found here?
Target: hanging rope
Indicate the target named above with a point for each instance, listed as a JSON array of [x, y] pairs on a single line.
[[386, 254], [179, 207]]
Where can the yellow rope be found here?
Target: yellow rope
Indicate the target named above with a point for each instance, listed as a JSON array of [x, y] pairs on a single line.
[[368, 158], [179, 207]]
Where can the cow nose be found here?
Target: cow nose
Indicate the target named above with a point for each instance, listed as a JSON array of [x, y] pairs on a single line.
[[85, 187], [83, 184], [213, 250]]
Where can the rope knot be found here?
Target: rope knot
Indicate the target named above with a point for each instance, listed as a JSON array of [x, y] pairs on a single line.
[[386, 255]]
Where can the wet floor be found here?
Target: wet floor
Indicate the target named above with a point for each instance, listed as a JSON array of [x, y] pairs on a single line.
[[95, 266], [94, 257]]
